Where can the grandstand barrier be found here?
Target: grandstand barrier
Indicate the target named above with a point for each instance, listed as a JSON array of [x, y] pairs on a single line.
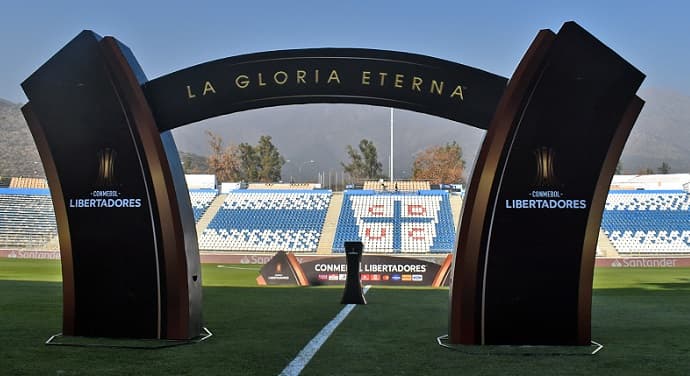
[[263, 258], [286, 268], [29, 254], [643, 262]]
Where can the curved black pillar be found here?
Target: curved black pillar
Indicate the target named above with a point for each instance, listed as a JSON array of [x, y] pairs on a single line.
[[126, 230], [523, 267]]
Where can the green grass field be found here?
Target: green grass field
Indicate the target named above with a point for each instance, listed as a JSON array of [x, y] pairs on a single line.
[[642, 316]]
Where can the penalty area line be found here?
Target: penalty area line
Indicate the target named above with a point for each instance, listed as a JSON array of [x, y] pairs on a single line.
[[302, 359]]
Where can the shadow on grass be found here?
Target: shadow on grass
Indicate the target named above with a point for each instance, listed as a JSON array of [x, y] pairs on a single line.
[[256, 331], [259, 330], [677, 285]]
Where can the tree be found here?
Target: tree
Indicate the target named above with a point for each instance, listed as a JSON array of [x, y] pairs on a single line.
[[249, 162], [364, 164], [664, 168], [645, 171], [356, 166], [270, 160], [439, 164], [194, 164], [223, 161], [619, 168], [245, 162]]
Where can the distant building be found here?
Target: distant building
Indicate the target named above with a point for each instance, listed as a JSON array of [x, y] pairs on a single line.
[[200, 181], [651, 182]]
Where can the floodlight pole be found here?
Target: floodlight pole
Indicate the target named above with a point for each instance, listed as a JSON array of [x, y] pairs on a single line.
[[391, 156]]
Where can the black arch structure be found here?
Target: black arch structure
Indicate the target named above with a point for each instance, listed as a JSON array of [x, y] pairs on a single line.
[[127, 237], [525, 252]]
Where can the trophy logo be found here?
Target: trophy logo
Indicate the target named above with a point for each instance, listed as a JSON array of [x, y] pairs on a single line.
[[545, 159], [279, 268], [106, 168]]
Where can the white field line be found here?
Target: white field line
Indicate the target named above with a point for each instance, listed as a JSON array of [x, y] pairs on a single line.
[[302, 359], [237, 267]]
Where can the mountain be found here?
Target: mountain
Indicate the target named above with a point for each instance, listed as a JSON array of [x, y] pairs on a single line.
[[18, 154], [4, 102], [320, 133], [661, 133]]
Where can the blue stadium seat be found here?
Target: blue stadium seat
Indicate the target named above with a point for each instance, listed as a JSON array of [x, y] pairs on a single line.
[[27, 219], [268, 221], [648, 222], [636, 222], [201, 199], [396, 222]]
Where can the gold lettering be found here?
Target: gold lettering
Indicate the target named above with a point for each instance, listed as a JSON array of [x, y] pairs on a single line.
[[242, 81], [316, 76], [261, 80], [279, 74], [435, 86], [189, 93], [416, 83], [300, 77], [365, 77], [383, 77], [333, 76], [208, 88], [399, 80], [458, 92]]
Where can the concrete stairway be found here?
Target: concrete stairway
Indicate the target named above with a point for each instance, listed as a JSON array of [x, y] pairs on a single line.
[[330, 224], [607, 249], [209, 214], [456, 208], [53, 244]]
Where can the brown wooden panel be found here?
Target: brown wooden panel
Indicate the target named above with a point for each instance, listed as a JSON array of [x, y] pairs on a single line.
[[176, 277], [584, 313], [68, 300], [465, 308]]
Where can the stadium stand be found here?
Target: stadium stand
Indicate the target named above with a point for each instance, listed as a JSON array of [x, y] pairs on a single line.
[[399, 222], [649, 182], [5, 181], [402, 186], [32, 183], [635, 222], [283, 186], [648, 222], [268, 221], [201, 199], [27, 219]]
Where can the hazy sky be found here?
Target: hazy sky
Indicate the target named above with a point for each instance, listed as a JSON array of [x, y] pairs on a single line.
[[492, 35]]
